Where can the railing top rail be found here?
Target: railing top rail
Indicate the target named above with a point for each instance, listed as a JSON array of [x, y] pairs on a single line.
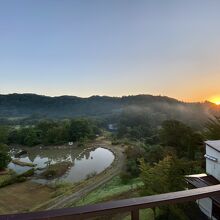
[[119, 206]]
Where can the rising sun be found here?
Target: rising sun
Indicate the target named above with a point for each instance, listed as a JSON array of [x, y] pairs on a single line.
[[216, 100]]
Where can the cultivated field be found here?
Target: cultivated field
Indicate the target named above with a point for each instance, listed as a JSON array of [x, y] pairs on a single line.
[[21, 197]]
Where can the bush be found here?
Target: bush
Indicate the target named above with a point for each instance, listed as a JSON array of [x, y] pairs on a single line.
[[49, 173], [125, 177], [21, 179]]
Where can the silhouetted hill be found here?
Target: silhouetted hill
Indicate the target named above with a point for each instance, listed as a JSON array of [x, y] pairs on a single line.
[[25, 105], [19, 105]]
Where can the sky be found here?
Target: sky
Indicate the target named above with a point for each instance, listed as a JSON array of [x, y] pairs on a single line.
[[111, 47]]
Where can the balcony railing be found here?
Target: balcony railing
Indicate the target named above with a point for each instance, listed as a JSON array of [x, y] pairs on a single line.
[[127, 205]]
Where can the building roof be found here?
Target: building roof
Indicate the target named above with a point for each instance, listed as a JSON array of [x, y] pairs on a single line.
[[214, 144], [203, 180]]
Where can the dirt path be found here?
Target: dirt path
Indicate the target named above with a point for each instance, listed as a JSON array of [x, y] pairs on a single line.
[[93, 183]]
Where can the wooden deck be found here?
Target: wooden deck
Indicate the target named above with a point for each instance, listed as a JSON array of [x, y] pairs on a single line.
[[126, 205]]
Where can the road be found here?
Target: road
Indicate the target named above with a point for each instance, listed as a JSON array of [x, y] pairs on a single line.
[[95, 182]]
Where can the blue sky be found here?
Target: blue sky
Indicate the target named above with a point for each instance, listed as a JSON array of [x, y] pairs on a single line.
[[110, 47]]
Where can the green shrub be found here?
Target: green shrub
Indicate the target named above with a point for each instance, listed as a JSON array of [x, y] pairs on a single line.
[[21, 179], [125, 177]]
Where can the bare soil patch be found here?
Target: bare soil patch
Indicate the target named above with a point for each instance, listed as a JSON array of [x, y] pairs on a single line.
[[22, 197]]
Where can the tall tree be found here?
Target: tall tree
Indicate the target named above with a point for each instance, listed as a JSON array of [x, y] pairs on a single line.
[[181, 137], [4, 157], [165, 176], [81, 129], [4, 132], [213, 129]]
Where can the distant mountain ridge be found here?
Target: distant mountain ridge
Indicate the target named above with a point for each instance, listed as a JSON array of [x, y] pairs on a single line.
[[25, 105], [16, 105]]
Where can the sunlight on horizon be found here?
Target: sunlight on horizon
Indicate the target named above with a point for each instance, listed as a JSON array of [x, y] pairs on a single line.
[[215, 100]]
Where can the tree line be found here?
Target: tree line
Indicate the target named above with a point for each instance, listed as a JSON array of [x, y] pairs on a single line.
[[50, 132], [162, 155], [46, 132]]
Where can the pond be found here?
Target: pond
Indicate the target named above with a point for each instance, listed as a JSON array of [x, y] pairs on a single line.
[[85, 163]]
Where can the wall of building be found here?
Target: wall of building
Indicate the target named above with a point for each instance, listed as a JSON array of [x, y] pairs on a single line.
[[205, 206], [213, 167]]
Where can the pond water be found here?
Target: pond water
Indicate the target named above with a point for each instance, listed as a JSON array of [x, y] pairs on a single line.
[[84, 163]]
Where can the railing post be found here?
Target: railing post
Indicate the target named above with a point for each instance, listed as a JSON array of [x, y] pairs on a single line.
[[135, 214]]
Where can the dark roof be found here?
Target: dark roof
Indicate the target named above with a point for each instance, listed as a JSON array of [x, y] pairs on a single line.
[[203, 181]]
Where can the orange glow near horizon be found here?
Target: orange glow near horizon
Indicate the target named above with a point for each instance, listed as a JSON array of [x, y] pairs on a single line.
[[216, 100]]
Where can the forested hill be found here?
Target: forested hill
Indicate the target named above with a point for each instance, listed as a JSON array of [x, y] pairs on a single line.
[[25, 105], [16, 105]]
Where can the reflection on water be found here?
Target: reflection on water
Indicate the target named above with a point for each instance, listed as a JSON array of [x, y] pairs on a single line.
[[84, 163], [92, 162]]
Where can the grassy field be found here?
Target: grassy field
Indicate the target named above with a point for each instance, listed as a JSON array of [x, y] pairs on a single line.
[[7, 178], [21, 197], [113, 188]]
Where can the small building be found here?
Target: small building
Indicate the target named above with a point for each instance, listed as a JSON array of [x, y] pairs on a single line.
[[213, 158], [209, 206]]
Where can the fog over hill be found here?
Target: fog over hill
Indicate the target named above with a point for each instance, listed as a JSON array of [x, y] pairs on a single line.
[[160, 107]]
